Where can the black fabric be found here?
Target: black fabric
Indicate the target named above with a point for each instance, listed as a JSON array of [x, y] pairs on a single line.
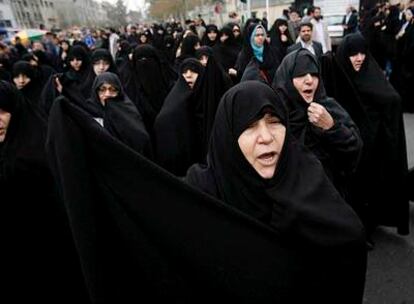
[[276, 37], [143, 235], [98, 54], [71, 80], [378, 186], [187, 49], [216, 83], [226, 52], [120, 117], [40, 260], [271, 59], [305, 65], [178, 128], [338, 148], [147, 82], [31, 91], [205, 40]]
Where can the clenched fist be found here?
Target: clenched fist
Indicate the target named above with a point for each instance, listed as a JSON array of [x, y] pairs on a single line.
[[319, 116]]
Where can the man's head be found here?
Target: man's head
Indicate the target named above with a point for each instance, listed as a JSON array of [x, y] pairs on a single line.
[[305, 31]]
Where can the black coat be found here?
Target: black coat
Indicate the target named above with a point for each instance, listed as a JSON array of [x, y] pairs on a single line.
[[317, 46]]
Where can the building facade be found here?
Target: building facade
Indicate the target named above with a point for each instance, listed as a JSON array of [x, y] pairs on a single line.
[[6, 14]]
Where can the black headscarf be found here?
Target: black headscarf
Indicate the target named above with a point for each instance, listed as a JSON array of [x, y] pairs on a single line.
[[206, 40], [338, 148], [275, 37], [178, 127], [299, 200], [98, 54], [147, 82], [120, 117], [216, 83], [227, 51], [32, 90], [369, 97]]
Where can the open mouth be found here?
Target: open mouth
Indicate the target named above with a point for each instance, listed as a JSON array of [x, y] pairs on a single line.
[[267, 158]]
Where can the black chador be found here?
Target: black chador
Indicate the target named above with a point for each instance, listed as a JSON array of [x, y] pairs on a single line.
[[265, 57], [144, 234], [178, 129], [215, 83], [40, 258], [97, 55], [226, 51], [118, 115], [375, 106], [338, 148], [147, 82], [72, 80], [33, 89]]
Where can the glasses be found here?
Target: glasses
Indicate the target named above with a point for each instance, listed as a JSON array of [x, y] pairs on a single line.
[[259, 34], [236, 31], [111, 90]]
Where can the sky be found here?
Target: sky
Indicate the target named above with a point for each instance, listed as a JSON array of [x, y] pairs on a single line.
[[130, 4]]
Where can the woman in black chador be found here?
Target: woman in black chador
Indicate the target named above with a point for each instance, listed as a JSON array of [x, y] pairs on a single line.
[[257, 53], [227, 49], [28, 80], [147, 82], [279, 37], [255, 165], [113, 110], [41, 259], [71, 81], [211, 36], [278, 235], [354, 78], [317, 120], [178, 129]]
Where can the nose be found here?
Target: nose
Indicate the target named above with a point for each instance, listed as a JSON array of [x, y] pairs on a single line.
[[308, 78], [359, 56], [265, 136]]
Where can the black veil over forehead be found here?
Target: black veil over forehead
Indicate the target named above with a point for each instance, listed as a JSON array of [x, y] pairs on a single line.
[[297, 63]]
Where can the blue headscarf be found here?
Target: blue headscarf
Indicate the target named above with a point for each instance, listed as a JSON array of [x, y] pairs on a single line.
[[257, 50]]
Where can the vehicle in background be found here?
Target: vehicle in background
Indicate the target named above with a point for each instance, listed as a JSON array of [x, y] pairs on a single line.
[[335, 29]]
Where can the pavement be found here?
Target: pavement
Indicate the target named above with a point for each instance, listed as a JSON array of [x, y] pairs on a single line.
[[390, 274]]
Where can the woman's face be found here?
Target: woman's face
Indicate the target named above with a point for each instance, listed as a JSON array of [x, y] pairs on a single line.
[[212, 36], [4, 123], [143, 39], [106, 91], [282, 28], [306, 86], [357, 61], [261, 144], [259, 37], [76, 64], [223, 37], [204, 60], [236, 31], [21, 81], [100, 66], [408, 15], [190, 77], [65, 46]]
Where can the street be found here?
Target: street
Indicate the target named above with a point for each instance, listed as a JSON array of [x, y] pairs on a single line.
[[390, 276]]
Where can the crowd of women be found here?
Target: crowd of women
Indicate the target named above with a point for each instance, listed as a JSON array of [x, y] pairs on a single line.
[[196, 169]]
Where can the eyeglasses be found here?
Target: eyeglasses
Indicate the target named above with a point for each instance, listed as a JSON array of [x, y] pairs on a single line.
[[259, 34], [236, 31], [111, 90]]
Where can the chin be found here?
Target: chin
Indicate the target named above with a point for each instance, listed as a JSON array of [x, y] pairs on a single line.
[[267, 174]]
